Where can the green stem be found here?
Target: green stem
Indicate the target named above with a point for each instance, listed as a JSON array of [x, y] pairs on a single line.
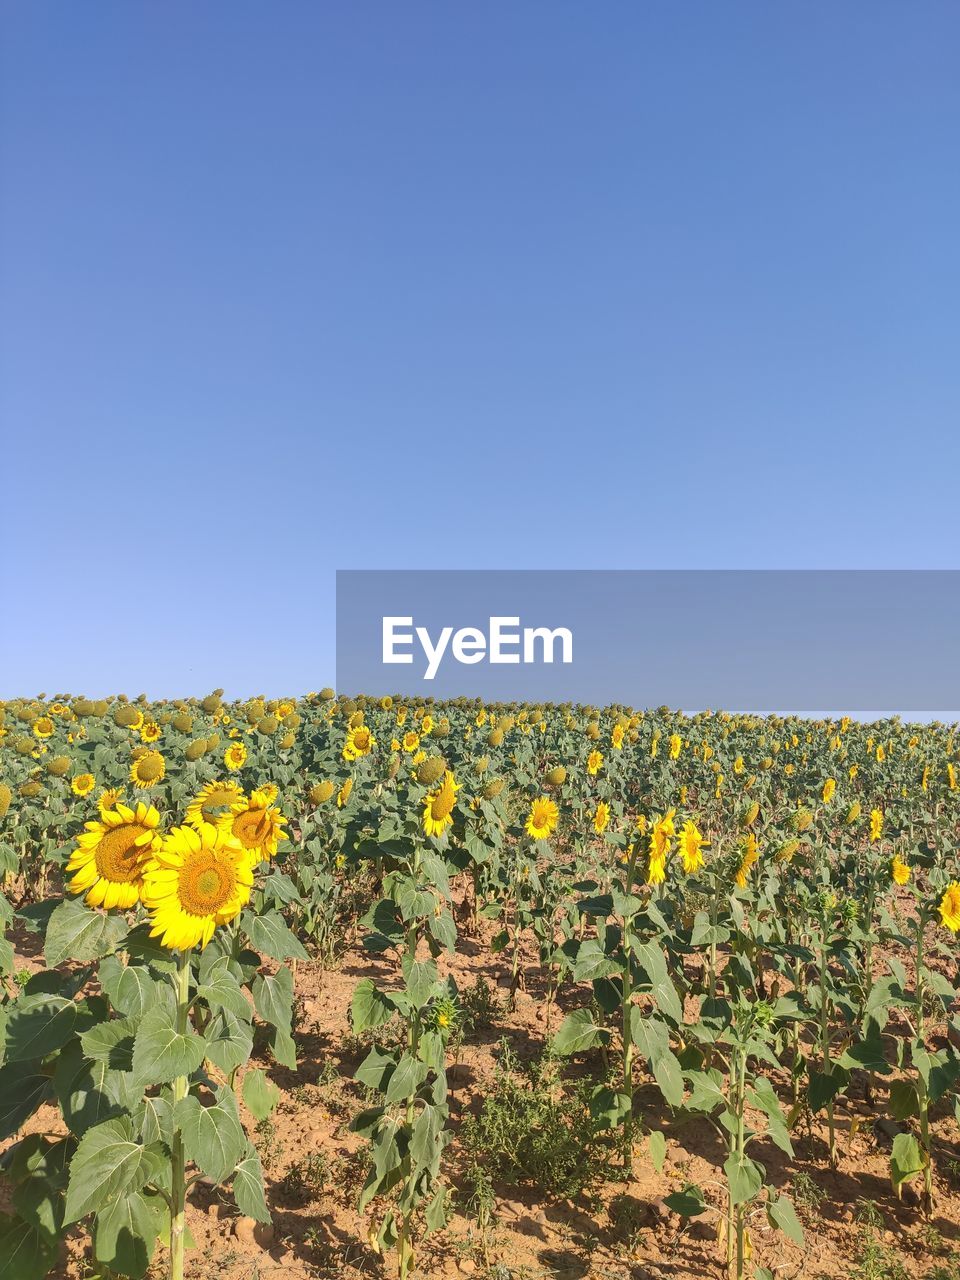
[[178, 1182], [922, 1095]]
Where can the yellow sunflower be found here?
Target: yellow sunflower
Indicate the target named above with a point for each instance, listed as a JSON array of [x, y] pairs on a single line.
[[438, 806], [829, 787], [147, 770], [950, 907], [360, 742], [43, 727], [411, 741], [601, 818], [616, 738], [108, 798], [150, 732], [343, 795], [691, 846], [542, 819], [195, 881], [876, 824], [210, 801], [235, 756], [256, 824], [750, 853], [594, 763], [899, 871], [82, 784], [107, 864]]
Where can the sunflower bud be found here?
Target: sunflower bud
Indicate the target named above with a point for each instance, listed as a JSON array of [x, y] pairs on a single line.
[[182, 722], [292, 721], [83, 707], [287, 741], [593, 730], [801, 820], [211, 703], [393, 768], [212, 742], [326, 695], [126, 716], [481, 765], [495, 738], [321, 792], [30, 789], [58, 766], [194, 750], [4, 799], [493, 788], [557, 776], [853, 813], [786, 851], [749, 815], [23, 746]]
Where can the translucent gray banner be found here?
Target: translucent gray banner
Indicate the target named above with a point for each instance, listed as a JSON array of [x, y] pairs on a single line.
[[801, 641]]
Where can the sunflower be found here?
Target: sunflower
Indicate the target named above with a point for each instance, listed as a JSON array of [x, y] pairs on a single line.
[[656, 869], [594, 763], [691, 846], [411, 741], [899, 871], [147, 770], [950, 907], [195, 881], [235, 756], [43, 727], [212, 798], [542, 819], [876, 824], [438, 806], [150, 732], [108, 861], [82, 784], [601, 818], [749, 855], [426, 725], [829, 787], [360, 742], [662, 834], [676, 743], [256, 824], [343, 795], [109, 797], [616, 738]]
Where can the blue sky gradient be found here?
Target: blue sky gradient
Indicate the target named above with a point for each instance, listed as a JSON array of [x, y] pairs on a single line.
[[286, 289]]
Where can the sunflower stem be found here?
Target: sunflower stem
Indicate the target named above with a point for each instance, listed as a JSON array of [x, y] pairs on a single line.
[[180, 1085]]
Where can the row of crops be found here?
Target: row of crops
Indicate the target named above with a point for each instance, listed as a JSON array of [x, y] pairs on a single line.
[[757, 916]]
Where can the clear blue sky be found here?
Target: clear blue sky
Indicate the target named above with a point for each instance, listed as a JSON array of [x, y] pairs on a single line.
[[287, 288]]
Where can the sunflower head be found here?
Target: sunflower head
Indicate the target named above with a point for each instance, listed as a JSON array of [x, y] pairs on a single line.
[[59, 766], [209, 804], [431, 770], [235, 756], [556, 776], [147, 769], [82, 784], [492, 788], [107, 864], [542, 819], [195, 881], [5, 798], [438, 806], [321, 792], [256, 825]]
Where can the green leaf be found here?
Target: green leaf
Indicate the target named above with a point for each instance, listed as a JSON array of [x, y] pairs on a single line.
[[213, 1137], [273, 997], [421, 979], [375, 1070], [23, 1090], [652, 960], [657, 1147], [126, 1231], [406, 1079], [129, 986], [76, 932], [161, 1052], [37, 1025], [108, 1160], [577, 1033], [283, 1048], [259, 1094], [268, 933], [248, 1187], [369, 1007], [26, 1251], [689, 1202], [744, 1178], [111, 1042], [666, 1072], [782, 1214], [222, 991], [906, 1158], [229, 1041]]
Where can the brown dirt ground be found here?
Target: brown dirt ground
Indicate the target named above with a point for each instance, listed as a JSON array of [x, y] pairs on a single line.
[[318, 1233]]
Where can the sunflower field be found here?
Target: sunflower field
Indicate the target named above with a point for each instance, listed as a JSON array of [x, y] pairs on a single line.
[[377, 986]]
